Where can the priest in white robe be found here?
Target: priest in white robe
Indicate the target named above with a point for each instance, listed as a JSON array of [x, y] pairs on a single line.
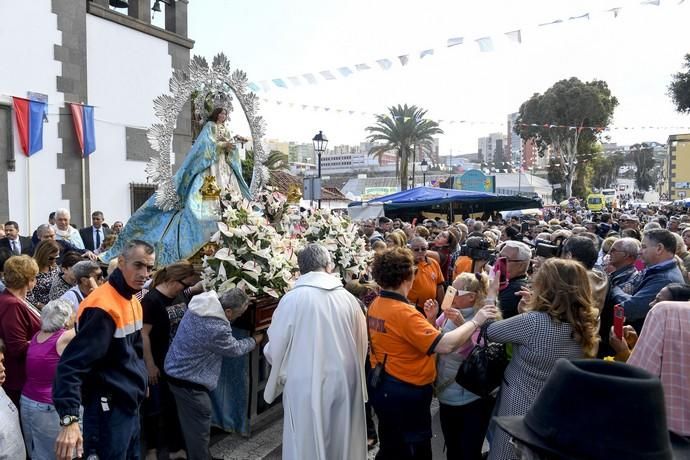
[[317, 346]]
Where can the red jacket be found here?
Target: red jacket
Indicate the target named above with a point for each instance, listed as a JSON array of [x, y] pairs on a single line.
[[18, 325]]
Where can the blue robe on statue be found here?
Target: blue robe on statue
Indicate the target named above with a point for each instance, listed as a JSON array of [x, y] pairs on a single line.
[[180, 233]]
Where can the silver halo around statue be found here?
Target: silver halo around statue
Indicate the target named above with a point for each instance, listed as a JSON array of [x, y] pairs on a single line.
[[219, 83]]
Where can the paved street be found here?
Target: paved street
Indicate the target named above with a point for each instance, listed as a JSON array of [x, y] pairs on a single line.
[[266, 442]]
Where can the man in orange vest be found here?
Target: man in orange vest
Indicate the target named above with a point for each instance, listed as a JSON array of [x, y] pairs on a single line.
[[103, 368]]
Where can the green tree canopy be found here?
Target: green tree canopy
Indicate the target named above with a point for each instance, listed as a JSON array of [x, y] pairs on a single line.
[[276, 161], [679, 89], [643, 157], [401, 130], [559, 119]]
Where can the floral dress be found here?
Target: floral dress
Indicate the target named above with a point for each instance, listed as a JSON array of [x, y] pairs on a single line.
[[40, 294]]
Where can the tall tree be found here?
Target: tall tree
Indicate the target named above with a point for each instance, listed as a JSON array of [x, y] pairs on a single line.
[[642, 156], [561, 118], [399, 131], [679, 89], [275, 161]]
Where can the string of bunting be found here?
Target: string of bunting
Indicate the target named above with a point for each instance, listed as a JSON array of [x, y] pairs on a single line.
[[353, 112], [485, 44]]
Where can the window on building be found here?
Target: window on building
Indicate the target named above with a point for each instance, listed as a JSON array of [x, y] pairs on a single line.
[[139, 193]]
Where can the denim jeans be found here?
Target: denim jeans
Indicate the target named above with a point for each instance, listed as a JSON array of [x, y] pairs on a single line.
[[110, 432], [404, 415], [41, 425]]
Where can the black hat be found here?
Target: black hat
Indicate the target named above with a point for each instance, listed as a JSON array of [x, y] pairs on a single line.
[[593, 409]]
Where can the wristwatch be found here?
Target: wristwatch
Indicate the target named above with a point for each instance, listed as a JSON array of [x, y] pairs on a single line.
[[68, 420]]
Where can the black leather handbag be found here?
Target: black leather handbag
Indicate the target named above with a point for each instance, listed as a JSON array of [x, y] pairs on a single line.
[[482, 371]]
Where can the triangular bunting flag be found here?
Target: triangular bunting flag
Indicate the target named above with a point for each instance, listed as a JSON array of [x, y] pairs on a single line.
[[280, 83], [485, 44], [557, 21], [425, 53], [404, 59], [326, 74], [361, 67], [384, 63], [345, 71], [515, 35], [455, 41], [311, 79], [295, 81], [582, 16]]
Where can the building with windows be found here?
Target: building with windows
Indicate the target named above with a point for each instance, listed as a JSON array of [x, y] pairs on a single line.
[[677, 174], [88, 52], [488, 147]]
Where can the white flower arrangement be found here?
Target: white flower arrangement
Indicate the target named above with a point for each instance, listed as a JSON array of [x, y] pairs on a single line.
[[339, 235], [258, 253], [252, 254]]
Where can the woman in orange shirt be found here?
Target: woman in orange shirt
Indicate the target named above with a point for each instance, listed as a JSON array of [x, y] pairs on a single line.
[[403, 341]]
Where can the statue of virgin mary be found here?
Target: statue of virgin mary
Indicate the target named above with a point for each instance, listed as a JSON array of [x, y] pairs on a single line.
[[179, 233]]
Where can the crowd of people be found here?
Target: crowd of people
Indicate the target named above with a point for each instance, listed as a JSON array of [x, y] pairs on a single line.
[[120, 362]]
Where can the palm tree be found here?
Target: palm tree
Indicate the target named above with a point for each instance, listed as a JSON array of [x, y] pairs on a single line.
[[276, 161], [402, 130]]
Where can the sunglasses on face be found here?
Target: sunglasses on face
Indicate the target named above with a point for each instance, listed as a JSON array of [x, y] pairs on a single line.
[[418, 249]]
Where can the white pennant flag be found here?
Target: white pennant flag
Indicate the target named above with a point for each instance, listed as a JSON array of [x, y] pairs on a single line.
[[455, 41], [515, 35], [327, 75], [485, 44], [384, 63]]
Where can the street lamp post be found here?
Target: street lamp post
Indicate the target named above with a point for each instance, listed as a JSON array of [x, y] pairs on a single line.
[[424, 166], [320, 143]]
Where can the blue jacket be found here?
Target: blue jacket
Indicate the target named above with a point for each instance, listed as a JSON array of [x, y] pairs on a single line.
[[653, 280], [105, 359], [203, 337]]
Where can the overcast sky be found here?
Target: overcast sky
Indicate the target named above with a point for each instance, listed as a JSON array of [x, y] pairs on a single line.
[[635, 53]]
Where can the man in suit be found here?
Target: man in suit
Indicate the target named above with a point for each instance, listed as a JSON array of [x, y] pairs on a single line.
[[15, 243], [94, 235]]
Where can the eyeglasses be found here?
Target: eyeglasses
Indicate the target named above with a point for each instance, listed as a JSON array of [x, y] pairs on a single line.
[[462, 293], [54, 257], [418, 249]]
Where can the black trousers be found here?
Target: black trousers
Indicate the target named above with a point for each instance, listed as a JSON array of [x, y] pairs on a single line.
[[403, 411], [464, 428], [194, 411], [160, 424]]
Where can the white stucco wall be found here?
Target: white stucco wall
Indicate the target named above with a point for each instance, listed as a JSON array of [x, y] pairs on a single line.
[[27, 36], [127, 70]]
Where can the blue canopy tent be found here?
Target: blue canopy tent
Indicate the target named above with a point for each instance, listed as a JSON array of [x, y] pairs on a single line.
[[448, 201]]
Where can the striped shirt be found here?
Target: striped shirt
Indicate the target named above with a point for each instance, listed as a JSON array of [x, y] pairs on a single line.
[[664, 350]]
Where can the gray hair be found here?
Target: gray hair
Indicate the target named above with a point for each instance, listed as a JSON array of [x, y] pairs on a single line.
[[42, 229], [523, 251], [313, 258], [63, 212], [651, 226], [233, 299], [630, 246], [55, 315], [418, 240], [84, 269], [131, 245]]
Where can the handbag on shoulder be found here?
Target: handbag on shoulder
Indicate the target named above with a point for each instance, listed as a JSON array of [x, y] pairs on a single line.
[[482, 371]]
